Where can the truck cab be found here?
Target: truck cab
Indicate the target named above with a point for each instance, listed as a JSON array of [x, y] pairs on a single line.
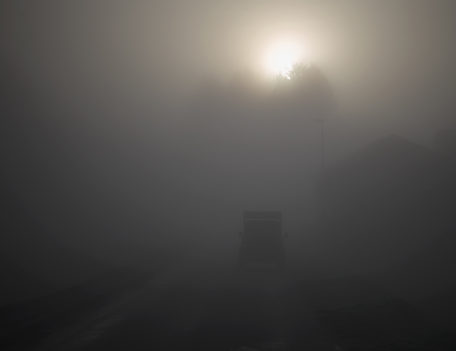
[[262, 238]]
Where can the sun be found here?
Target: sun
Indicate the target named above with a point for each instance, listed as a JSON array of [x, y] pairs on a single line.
[[281, 57]]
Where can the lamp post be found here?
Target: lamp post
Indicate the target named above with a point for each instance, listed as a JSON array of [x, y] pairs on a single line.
[[322, 143]]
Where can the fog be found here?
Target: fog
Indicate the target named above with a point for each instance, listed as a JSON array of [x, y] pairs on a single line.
[[136, 134]]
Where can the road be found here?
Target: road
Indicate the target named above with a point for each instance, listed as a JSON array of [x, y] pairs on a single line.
[[214, 307], [202, 309]]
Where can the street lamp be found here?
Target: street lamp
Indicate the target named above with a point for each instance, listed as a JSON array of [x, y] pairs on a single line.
[[322, 142]]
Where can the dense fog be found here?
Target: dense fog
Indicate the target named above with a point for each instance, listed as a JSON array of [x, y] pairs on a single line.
[[135, 134]]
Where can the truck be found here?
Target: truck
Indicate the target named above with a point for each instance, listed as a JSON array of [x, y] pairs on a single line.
[[262, 239]]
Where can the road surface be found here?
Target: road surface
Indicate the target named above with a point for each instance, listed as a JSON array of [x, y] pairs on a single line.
[[199, 309]]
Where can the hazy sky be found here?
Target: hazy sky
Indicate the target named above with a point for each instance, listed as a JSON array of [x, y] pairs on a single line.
[[112, 100], [364, 46]]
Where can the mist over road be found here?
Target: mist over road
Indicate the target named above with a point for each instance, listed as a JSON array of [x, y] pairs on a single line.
[[204, 307], [143, 144]]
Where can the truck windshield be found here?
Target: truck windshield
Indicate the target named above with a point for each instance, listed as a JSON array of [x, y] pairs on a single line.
[[262, 227]]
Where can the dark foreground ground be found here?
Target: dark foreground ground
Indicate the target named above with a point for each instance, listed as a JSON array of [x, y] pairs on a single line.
[[207, 308]]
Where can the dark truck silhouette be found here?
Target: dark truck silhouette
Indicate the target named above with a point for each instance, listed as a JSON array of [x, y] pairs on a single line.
[[262, 238]]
